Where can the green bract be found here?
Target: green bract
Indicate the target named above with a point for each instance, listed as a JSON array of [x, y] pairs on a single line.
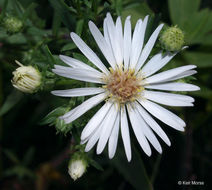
[[12, 24]]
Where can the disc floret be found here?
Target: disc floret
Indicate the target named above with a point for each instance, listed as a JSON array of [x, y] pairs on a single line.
[[123, 85]]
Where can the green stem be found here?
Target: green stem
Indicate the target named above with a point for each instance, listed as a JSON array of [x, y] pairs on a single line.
[[1, 126], [155, 169]]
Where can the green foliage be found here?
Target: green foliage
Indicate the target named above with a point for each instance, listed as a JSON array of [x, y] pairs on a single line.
[[19, 167], [137, 10], [52, 119], [134, 172], [196, 23], [26, 145], [10, 102], [200, 59]]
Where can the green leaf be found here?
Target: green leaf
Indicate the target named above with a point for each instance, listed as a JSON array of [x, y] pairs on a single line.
[[119, 7], [136, 12], [79, 27], [18, 38], [80, 57], [19, 171], [94, 6], [3, 11], [29, 10], [49, 56], [56, 23], [197, 27], [196, 24], [95, 165], [10, 102], [11, 156], [181, 10], [156, 168], [68, 47], [49, 118], [202, 60], [64, 11], [134, 172], [207, 40], [18, 8], [28, 157]]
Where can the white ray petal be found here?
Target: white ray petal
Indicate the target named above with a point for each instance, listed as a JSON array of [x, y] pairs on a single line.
[[160, 77], [113, 139], [77, 92], [148, 48], [108, 124], [182, 75], [114, 39], [153, 124], [84, 107], [138, 41], [174, 86], [147, 131], [125, 133], [138, 130], [95, 121], [106, 35], [163, 114], [103, 45], [88, 52], [156, 63], [70, 70], [168, 98], [79, 74], [94, 138], [119, 32], [135, 46], [76, 63], [127, 42]]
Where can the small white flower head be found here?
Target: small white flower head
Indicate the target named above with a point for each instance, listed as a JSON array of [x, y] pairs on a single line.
[[76, 168], [26, 78], [12, 24], [172, 39]]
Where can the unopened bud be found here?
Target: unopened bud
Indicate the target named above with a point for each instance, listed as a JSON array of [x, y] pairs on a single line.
[[12, 24], [76, 168], [172, 39], [26, 78]]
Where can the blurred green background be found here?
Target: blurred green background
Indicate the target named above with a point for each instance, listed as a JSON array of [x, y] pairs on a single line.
[[34, 150]]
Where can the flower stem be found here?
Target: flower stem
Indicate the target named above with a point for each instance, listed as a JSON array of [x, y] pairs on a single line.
[[155, 169], [1, 126]]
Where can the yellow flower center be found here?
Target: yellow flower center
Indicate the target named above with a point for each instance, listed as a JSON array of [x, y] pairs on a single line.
[[123, 86]]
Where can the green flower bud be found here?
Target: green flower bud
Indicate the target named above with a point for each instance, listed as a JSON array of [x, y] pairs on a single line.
[[26, 78], [77, 166], [172, 39], [12, 24]]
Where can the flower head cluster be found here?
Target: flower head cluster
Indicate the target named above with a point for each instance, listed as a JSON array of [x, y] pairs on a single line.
[[130, 87]]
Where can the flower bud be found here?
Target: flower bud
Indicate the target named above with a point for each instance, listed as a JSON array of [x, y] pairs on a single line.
[[172, 39], [77, 167], [26, 78], [12, 24]]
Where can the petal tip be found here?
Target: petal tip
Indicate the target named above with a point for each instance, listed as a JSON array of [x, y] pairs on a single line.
[[168, 143]]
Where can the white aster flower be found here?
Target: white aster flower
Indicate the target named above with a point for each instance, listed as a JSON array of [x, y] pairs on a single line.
[[129, 88]]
